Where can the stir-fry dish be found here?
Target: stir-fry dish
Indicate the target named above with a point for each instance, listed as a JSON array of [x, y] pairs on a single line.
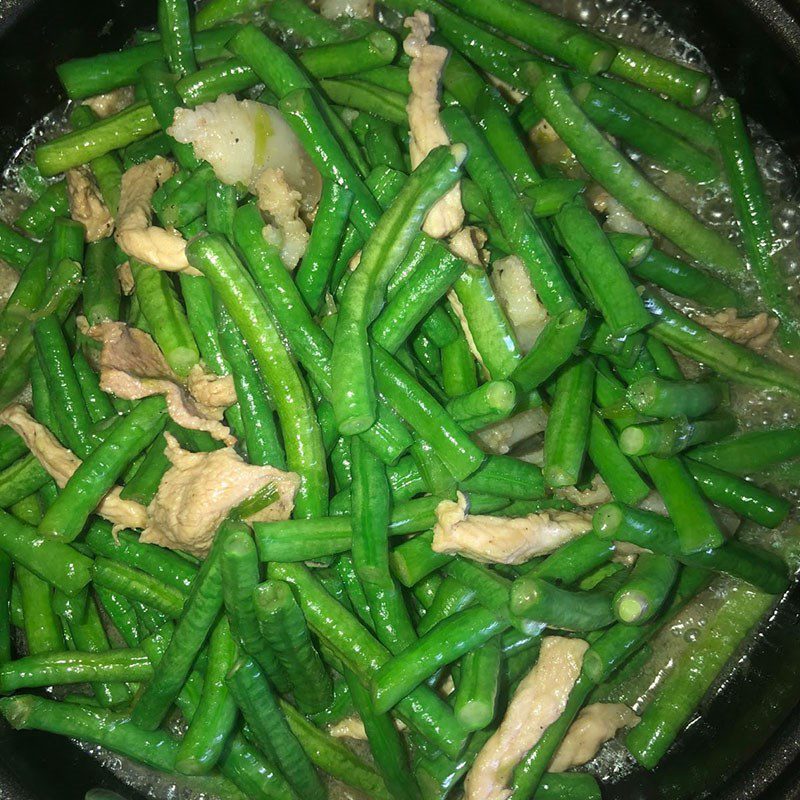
[[378, 374]]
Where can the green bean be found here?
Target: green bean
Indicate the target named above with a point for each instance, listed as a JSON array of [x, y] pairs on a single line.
[[573, 560], [333, 757], [97, 401], [175, 27], [696, 670], [741, 496], [657, 397], [567, 433], [151, 619], [188, 201], [691, 126], [240, 576], [56, 562], [349, 57], [553, 347], [62, 668], [125, 548], [99, 471], [486, 50], [426, 416], [617, 471], [363, 96], [15, 249], [750, 452], [356, 648], [671, 437], [21, 479], [106, 169], [253, 695], [547, 33], [646, 590], [681, 279], [763, 569], [493, 335], [6, 621], [491, 397], [162, 93], [89, 636], [667, 148], [165, 316], [303, 21], [521, 230], [730, 360], [447, 642], [38, 218], [197, 618], [606, 278], [307, 540], [412, 302], [302, 437], [138, 586], [354, 395], [695, 525], [212, 723], [63, 384], [507, 477], [370, 533], [458, 368], [143, 484], [43, 632], [631, 249], [154, 749], [84, 77], [314, 272], [221, 204], [531, 770], [385, 743], [104, 136], [476, 693], [217, 11], [63, 291], [286, 632], [755, 217], [452, 596], [121, 614], [141, 150], [309, 343], [27, 294], [414, 559], [380, 142], [101, 293], [260, 431], [621, 178]]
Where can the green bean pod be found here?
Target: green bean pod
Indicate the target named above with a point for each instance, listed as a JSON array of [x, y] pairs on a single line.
[[96, 475], [213, 722]]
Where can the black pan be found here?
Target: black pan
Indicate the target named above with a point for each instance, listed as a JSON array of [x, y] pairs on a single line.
[[747, 742]]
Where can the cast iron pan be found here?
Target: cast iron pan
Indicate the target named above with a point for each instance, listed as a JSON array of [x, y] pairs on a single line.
[[746, 744]]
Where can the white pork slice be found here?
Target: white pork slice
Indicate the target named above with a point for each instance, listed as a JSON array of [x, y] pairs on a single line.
[[61, 463], [513, 287], [199, 489], [136, 235], [427, 132], [538, 702], [242, 138], [281, 205], [753, 332], [503, 540], [132, 367], [104, 105], [595, 725], [86, 204]]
